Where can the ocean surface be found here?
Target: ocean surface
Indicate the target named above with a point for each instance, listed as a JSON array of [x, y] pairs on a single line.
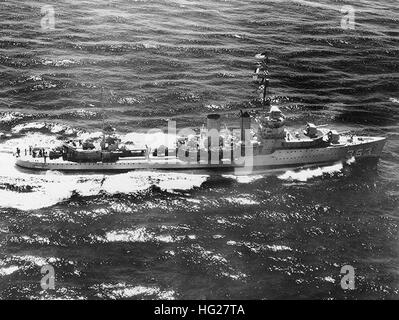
[[197, 235]]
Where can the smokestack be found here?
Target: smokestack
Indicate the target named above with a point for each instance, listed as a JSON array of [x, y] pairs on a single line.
[[245, 124], [213, 126], [213, 122]]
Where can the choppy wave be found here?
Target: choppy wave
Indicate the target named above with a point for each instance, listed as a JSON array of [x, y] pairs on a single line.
[[125, 291], [33, 191], [282, 234]]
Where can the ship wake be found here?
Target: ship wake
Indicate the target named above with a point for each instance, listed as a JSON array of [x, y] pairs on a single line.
[[305, 174], [26, 190]]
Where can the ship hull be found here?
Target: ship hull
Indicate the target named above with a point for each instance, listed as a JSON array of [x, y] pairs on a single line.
[[365, 147]]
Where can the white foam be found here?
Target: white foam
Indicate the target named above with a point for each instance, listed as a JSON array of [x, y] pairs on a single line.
[[241, 201], [140, 234], [309, 173], [8, 270], [122, 290], [34, 190], [243, 178]]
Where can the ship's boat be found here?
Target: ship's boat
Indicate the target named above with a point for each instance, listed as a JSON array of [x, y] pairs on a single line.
[[266, 143]]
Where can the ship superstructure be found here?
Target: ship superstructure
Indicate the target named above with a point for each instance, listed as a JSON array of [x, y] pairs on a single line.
[[264, 143]]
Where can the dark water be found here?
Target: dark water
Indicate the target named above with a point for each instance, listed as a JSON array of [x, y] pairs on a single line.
[[148, 235]]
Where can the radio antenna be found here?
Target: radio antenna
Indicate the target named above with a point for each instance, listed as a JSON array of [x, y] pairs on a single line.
[[103, 117]]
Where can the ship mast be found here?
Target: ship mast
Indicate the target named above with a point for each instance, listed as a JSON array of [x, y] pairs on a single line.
[[103, 116], [261, 75]]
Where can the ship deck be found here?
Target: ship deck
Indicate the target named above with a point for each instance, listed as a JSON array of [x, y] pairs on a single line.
[[358, 147]]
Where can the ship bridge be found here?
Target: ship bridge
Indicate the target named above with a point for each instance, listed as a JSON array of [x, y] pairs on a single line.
[[272, 126]]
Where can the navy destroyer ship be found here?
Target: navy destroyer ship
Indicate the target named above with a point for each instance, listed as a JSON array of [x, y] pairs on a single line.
[[259, 142]]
